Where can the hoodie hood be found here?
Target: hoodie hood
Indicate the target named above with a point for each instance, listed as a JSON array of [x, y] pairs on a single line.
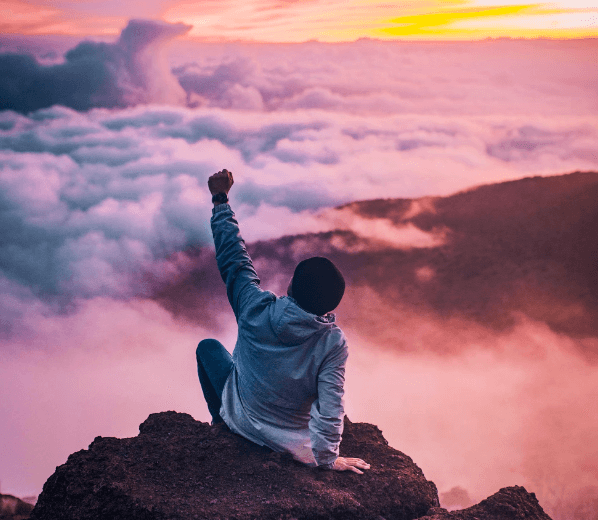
[[293, 325]]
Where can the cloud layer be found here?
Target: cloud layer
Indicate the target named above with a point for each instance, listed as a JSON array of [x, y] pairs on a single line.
[[117, 192], [147, 64], [491, 77]]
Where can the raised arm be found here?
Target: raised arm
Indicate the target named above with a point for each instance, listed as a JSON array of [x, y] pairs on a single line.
[[234, 263]]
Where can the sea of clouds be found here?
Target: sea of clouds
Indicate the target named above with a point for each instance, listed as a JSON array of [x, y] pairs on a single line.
[[105, 153]]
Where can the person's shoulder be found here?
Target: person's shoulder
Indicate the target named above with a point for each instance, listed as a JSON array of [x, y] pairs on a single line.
[[260, 296], [335, 337], [253, 299], [335, 350]]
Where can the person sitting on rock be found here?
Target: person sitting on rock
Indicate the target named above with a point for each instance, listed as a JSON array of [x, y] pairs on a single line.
[[283, 386]]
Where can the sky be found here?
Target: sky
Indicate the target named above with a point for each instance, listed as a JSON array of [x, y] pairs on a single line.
[[106, 145], [279, 21]]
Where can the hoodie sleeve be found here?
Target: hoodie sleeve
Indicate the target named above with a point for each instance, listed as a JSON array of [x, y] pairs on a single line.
[[234, 262], [327, 411]]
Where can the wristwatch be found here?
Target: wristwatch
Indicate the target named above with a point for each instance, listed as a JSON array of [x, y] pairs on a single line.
[[221, 198]]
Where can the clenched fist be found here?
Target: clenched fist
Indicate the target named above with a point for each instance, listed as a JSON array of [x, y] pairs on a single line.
[[220, 182]]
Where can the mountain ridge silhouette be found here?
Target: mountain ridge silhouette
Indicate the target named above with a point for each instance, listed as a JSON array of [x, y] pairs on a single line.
[[518, 248]]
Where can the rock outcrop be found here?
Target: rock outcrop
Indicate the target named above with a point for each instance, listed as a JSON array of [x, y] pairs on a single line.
[[179, 468], [509, 503]]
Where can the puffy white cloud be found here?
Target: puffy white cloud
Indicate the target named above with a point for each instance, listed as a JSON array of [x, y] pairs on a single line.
[[130, 71]]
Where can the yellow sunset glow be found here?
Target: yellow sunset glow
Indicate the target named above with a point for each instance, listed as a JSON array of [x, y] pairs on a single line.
[[346, 21], [438, 21], [517, 20]]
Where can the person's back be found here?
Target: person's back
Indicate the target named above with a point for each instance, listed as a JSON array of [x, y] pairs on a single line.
[[283, 387]]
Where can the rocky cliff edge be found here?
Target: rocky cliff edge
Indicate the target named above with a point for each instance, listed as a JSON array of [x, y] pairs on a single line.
[[178, 468]]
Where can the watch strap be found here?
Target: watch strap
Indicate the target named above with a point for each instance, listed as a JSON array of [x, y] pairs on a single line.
[[221, 198]]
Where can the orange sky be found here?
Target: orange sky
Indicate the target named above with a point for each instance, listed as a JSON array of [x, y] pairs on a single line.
[[302, 20]]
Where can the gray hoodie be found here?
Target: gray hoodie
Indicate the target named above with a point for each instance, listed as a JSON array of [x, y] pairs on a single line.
[[285, 390]]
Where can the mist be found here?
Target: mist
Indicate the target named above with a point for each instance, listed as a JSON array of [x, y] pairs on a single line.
[[515, 408]]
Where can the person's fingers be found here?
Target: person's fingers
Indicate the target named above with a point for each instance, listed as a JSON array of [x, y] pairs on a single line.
[[225, 173], [222, 180], [359, 462], [353, 468]]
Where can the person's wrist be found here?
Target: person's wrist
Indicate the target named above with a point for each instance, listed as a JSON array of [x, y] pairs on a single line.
[[329, 466], [219, 198]]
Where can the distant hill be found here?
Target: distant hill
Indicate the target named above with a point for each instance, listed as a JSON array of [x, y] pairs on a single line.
[[13, 508], [521, 247]]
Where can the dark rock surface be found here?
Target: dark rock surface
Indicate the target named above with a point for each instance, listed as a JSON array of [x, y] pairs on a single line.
[[179, 468], [511, 503]]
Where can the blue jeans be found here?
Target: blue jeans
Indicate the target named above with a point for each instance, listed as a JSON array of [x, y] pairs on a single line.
[[214, 364]]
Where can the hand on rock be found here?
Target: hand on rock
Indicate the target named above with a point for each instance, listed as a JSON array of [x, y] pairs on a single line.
[[350, 464]]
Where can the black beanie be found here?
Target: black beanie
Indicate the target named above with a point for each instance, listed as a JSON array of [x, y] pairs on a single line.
[[318, 286]]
